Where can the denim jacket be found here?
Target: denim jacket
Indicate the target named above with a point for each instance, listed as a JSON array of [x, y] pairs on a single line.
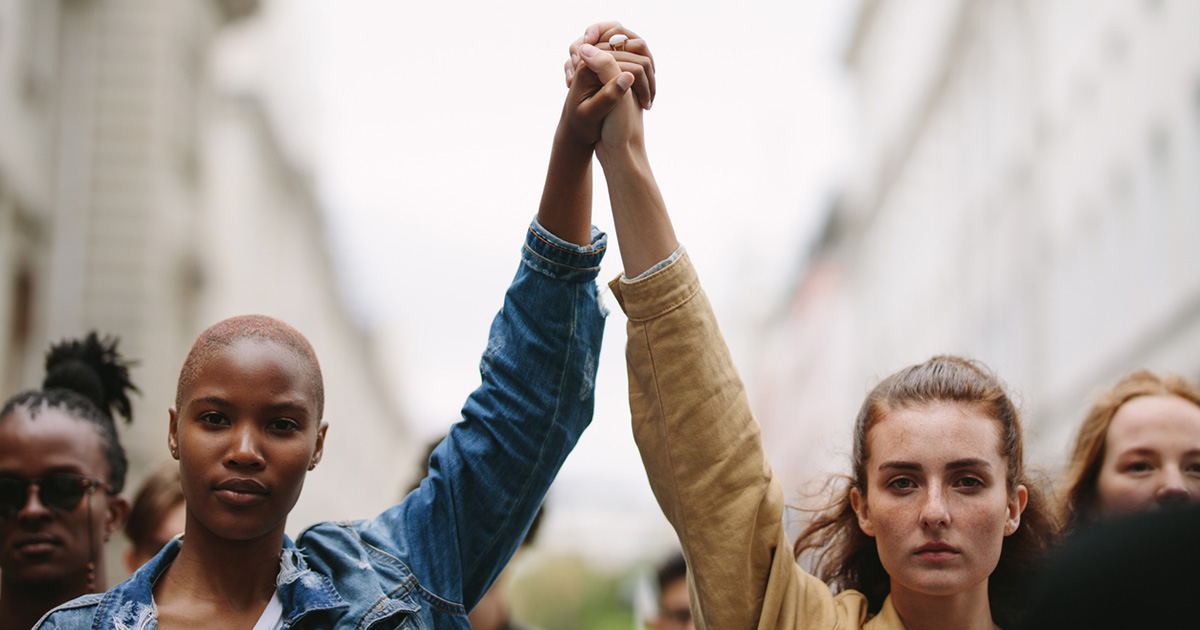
[[426, 562]]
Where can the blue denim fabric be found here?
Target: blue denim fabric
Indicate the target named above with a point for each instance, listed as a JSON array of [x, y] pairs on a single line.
[[427, 561]]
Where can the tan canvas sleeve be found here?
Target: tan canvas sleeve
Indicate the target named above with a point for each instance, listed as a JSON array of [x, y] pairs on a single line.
[[703, 453]]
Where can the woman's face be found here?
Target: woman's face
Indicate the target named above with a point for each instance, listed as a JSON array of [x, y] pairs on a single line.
[[246, 435], [936, 501], [40, 544], [1151, 456]]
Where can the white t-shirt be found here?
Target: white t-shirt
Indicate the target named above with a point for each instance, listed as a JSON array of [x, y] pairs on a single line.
[[272, 616]]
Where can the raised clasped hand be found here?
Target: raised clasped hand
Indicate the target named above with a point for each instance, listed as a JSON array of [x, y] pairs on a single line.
[[598, 77]]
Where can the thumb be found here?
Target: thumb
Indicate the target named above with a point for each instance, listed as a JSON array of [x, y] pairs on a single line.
[[602, 63], [603, 101]]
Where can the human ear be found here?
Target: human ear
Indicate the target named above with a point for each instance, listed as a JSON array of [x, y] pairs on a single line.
[[115, 515], [173, 433], [1016, 505], [320, 448], [859, 504]]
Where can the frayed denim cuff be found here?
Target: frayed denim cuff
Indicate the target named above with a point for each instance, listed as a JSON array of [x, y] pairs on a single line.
[[552, 256]]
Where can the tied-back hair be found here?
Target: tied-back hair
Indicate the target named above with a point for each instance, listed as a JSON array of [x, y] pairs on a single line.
[[88, 379], [1080, 502], [846, 558]]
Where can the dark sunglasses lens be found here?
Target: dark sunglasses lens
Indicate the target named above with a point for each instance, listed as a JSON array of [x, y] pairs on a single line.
[[12, 497], [61, 493]]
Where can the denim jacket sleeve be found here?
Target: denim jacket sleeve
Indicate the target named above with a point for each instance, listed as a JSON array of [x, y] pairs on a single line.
[[436, 553], [487, 479]]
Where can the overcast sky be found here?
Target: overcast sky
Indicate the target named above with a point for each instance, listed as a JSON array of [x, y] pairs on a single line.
[[427, 127]]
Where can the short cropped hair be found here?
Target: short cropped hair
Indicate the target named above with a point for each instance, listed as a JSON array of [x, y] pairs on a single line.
[[671, 570], [225, 333]]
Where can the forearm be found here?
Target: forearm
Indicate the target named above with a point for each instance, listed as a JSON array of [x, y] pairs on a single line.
[[640, 217], [566, 207]]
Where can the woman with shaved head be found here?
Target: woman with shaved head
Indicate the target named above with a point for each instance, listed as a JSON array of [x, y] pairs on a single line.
[[248, 426]]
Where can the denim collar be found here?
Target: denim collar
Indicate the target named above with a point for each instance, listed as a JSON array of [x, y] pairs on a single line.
[[301, 590]]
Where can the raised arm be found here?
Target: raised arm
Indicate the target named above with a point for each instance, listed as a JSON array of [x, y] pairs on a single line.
[[603, 80], [488, 478], [640, 216], [699, 441]]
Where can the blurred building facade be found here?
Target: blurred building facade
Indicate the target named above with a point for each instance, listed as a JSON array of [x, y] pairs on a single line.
[[1026, 193], [139, 200]]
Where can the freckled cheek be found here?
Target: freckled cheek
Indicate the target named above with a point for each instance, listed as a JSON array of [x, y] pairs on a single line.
[[895, 524], [987, 528]]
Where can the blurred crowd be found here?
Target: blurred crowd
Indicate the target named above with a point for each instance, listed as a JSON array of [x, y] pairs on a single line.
[[939, 523]]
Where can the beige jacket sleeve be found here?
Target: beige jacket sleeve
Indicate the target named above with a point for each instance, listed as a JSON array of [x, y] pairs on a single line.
[[703, 454]]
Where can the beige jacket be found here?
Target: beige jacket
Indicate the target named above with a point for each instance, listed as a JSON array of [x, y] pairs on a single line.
[[703, 453]]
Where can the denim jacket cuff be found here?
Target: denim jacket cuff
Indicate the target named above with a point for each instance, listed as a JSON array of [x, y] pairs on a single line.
[[551, 256]]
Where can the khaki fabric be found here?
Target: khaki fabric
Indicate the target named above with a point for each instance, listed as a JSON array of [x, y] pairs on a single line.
[[703, 453]]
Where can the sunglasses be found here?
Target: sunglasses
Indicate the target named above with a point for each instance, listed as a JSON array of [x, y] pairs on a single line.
[[59, 492]]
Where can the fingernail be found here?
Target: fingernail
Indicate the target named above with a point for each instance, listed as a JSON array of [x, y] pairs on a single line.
[[588, 50], [625, 80], [570, 73], [574, 59]]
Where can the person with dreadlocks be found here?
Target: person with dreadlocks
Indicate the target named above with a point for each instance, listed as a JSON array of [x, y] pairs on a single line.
[[62, 469]]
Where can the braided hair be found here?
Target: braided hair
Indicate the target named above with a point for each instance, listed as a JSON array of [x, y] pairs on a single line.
[[88, 379]]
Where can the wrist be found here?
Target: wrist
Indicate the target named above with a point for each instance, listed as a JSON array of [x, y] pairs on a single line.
[[628, 153], [567, 138]]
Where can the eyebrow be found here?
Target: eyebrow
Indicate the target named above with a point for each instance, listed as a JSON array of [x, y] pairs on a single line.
[[1140, 451], [958, 464], [287, 405], [1149, 450], [212, 400]]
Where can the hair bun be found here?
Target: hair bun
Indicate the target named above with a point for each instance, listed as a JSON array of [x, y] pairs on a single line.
[[92, 367]]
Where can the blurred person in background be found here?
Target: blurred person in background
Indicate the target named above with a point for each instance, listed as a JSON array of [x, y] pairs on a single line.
[[1137, 449], [158, 515], [938, 525], [248, 426], [1126, 562], [62, 469], [674, 612]]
